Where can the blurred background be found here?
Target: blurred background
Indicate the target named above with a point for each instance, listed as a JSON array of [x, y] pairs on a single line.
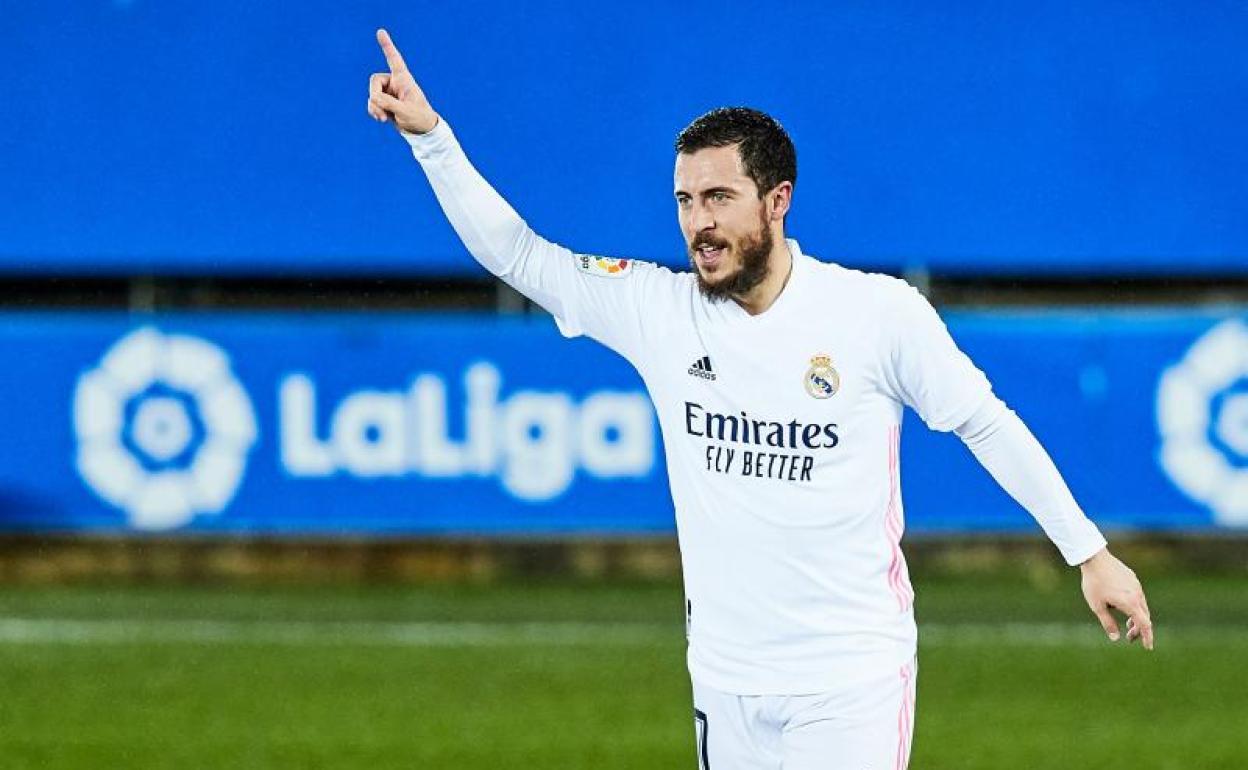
[[287, 480]]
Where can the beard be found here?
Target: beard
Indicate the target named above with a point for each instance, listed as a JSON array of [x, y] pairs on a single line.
[[754, 250]]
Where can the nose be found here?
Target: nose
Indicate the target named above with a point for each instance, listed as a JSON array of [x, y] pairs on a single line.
[[702, 218]]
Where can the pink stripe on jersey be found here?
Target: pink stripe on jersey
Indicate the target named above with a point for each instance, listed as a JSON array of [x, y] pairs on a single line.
[[898, 580], [905, 718]]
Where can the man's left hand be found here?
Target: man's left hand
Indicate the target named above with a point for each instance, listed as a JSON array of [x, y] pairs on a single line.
[[1107, 582]]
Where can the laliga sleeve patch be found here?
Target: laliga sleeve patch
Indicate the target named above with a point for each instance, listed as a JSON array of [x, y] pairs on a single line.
[[604, 267]]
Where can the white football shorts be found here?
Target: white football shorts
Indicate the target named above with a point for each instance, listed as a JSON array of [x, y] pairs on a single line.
[[864, 727]]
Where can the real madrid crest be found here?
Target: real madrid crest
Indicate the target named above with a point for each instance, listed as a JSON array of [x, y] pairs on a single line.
[[822, 381]]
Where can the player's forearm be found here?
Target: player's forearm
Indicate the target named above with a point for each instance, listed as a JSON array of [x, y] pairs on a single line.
[[490, 228], [1015, 458]]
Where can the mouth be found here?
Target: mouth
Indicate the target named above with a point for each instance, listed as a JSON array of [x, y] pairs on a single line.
[[710, 257]]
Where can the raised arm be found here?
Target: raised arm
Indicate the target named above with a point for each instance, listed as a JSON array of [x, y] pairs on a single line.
[[571, 286], [491, 230]]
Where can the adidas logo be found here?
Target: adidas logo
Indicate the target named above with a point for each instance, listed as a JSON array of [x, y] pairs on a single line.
[[702, 368]]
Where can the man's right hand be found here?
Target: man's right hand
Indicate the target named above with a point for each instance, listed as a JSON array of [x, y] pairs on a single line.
[[394, 95]]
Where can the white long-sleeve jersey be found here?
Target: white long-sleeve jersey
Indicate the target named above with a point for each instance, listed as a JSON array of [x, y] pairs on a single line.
[[781, 433]]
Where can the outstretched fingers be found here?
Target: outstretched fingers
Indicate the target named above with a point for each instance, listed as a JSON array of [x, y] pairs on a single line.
[[1110, 586], [1140, 623], [393, 58], [1107, 621]]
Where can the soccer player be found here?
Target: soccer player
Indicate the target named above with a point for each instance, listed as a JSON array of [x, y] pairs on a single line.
[[779, 382]]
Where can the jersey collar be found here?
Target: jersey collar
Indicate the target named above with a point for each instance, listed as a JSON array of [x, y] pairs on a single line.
[[797, 280]]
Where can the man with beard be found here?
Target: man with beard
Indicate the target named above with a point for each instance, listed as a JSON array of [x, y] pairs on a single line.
[[782, 437]]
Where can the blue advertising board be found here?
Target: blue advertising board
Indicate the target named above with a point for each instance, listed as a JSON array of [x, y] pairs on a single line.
[[176, 137], [407, 425]]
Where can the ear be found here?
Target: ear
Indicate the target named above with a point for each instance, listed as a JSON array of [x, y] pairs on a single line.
[[779, 200]]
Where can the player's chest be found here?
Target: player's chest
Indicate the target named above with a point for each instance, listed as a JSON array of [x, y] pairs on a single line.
[[813, 368]]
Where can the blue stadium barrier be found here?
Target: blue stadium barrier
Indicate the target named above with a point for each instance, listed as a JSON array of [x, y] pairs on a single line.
[[231, 137], [399, 424]]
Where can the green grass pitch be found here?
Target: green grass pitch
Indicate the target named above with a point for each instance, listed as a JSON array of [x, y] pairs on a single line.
[[563, 675]]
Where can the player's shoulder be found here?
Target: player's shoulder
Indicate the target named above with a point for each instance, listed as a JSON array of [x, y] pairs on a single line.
[[639, 275], [870, 289], [621, 267], [607, 267]]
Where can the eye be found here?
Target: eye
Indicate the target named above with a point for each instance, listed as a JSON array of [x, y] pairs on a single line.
[[720, 197], [683, 201]]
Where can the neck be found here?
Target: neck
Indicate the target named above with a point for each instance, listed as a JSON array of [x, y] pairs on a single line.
[[779, 268]]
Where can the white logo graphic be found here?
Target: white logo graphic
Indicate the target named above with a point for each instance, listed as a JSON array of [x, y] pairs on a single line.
[[533, 441], [163, 428], [1202, 413]]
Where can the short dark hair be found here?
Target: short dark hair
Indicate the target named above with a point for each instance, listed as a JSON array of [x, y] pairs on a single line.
[[766, 151]]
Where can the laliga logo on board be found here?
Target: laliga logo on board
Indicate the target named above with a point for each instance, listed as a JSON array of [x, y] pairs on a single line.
[[533, 442], [1202, 414], [163, 428], [164, 431]]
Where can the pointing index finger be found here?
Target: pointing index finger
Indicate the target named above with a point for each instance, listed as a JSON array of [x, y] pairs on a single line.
[[393, 57]]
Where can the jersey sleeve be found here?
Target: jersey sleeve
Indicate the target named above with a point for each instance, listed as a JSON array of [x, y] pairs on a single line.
[[926, 370], [603, 298], [1018, 462], [609, 300]]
